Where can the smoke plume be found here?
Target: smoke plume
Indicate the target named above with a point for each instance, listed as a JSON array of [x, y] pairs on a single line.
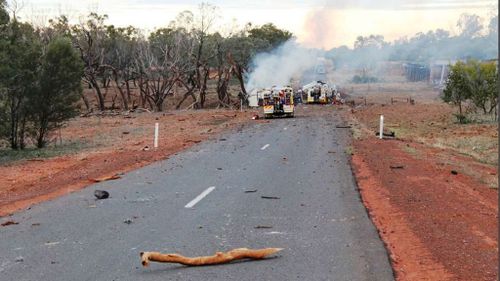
[[278, 67]]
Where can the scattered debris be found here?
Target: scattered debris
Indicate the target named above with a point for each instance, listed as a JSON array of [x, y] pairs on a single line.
[[255, 117], [343, 126], [220, 169], [128, 221], [51, 243], [101, 194], [331, 151], [222, 139], [19, 259], [391, 134], [269, 197], [125, 133], [218, 258], [251, 191], [263, 227], [397, 167], [35, 224], [7, 223], [36, 160], [146, 148], [108, 178], [454, 172]]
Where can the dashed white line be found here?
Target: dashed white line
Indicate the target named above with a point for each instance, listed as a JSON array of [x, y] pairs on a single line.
[[199, 197], [264, 147]]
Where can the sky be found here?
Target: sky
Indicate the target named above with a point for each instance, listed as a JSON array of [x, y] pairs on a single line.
[[315, 23]]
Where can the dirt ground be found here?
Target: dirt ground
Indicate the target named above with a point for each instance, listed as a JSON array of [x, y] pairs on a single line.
[[108, 146], [432, 192]]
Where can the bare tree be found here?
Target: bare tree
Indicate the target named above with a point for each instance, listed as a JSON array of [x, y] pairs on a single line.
[[88, 38], [159, 69]]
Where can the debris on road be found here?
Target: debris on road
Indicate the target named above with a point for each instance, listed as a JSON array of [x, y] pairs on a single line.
[[454, 172], [255, 117], [108, 178], [391, 134], [222, 139], [7, 223], [128, 221], [101, 194], [343, 126], [397, 167], [218, 258], [331, 151], [269, 197], [19, 259], [251, 191], [263, 227], [36, 160]]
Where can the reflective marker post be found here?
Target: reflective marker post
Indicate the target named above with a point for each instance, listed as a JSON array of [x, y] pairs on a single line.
[[381, 133], [157, 128]]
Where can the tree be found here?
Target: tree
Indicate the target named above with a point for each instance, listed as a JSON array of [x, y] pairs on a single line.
[[19, 62], [120, 46], [270, 33], [4, 15], [470, 25], [457, 89], [493, 27], [483, 83], [89, 38], [58, 90], [372, 41]]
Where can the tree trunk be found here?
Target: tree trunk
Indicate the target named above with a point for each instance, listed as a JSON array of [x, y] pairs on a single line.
[[203, 90], [122, 94], [239, 74], [127, 86], [14, 122], [22, 143], [100, 97], [85, 101]]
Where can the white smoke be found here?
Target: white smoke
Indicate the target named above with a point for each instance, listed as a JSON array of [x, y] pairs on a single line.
[[278, 67]]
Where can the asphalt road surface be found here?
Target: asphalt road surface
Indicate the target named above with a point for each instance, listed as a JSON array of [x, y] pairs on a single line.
[[195, 204]]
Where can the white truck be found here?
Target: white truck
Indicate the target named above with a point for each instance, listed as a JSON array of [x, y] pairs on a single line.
[[318, 92]]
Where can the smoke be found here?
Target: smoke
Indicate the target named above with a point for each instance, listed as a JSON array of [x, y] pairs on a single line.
[[319, 28], [278, 67]]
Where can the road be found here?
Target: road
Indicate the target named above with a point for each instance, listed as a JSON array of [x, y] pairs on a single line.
[[195, 204]]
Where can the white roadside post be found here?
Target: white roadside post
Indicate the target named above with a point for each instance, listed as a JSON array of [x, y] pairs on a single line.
[[157, 128], [381, 133]]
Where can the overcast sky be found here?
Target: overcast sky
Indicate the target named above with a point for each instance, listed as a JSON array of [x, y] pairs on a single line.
[[317, 23]]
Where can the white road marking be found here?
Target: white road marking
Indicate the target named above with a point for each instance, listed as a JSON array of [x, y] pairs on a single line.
[[199, 197], [264, 147]]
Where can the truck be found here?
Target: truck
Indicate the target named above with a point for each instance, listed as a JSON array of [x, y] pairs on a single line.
[[278, 101], [317, 92]]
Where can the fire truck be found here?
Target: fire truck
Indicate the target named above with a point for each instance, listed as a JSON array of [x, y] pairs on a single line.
[[278, 101]]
